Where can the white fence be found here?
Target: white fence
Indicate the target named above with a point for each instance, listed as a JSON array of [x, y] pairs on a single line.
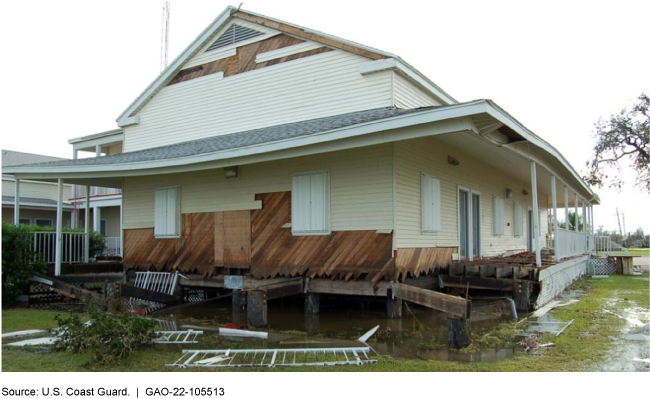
[[605, 244], [113, 246], [44, 245], [570, 243]]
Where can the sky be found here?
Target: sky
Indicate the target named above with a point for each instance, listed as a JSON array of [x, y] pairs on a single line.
[[70, 68]]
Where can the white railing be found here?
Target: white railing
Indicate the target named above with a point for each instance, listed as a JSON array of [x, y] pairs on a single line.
[[570, 243], [44, 246], [113, 246], [605, 244]]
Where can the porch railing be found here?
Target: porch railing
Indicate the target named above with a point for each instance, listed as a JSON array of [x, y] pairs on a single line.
[[113, 246], [605, 244], [44, 246], [570, 243]]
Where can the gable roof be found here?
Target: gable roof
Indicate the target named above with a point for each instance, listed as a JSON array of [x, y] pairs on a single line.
[[13, 158], [127, 117]]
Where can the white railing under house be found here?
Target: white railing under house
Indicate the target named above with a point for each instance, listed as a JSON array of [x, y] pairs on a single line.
[[570, 243], [113, 246], [73, 246]]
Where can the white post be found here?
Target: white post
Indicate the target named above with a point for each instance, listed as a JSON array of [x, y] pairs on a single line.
[[17, 203], [575, 205], [59, 229], [121, 234], [566, 208], [87, 226], [584, 225], [556, 242], [74, 220], [538, 249], [98, 151], [97, 221]]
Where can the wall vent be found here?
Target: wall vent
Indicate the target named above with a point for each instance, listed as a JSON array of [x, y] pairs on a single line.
[[232, 35]]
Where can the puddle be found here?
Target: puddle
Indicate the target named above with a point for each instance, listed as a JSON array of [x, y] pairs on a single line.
[[420, 334]]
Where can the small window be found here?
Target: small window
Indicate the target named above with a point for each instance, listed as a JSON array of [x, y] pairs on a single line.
[[310, 203], [431, 218], [25, 221], [44, 222], [499, 221], [519, 220], [167, 212]]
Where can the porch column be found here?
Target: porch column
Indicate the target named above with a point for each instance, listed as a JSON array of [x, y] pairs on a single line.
[[59, 227], [584, 225], [87, 226], [575, 204], [98, 151], [74, 220], [97, 221], [533, 179], [121, 233], [555, 227], [17, 203], [566, 208]]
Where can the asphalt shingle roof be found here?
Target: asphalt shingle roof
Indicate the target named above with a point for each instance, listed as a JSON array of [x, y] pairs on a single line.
[[244, 139], [13, 158], [30, 200]]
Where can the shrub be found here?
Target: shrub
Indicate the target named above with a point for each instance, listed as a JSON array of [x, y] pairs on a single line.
[[110, 337], [17, 261]]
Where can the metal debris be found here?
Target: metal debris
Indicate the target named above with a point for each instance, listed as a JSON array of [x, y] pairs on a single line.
[[550, 327], [233, 332], [35, 341], [365, 337], [177, 337], [22, 333]]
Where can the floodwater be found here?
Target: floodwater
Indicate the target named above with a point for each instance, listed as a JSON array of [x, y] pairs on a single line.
[[420, 334]]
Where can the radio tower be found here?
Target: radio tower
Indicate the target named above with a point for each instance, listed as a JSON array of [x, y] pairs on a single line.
[[164, 36]]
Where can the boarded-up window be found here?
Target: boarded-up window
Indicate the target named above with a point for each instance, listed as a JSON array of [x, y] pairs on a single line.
[[310, 203], [499, 222], [167, 212], [431, 217], [519, 220]]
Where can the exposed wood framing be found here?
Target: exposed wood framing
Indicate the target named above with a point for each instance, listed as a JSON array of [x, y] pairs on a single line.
[[416, 261], [451, 305], [293, 30], [244, 59], [232, 239]]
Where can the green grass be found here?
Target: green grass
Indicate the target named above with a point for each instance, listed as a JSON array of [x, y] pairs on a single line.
[[585, 343], [631, 251]]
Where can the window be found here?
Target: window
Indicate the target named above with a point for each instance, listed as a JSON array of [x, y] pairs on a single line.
[[431, 221], [519, 220], [25, 221], [310, 203], [232, 35], [499, 222], [44, 222], [167, 212], [102, 227]]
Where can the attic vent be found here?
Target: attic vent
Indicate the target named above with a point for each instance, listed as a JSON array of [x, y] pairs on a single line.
[[232, 35]]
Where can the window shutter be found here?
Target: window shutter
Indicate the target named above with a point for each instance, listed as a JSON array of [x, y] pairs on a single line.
[[498, 216], [160, 212], [172, 215], [167, 212], [519, 220], [431, 216], [310, 203]]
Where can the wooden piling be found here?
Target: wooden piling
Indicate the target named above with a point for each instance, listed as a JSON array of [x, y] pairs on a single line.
[[393, 306], [238, 299], [458, 332], [521, 294], [312, 303], [256, 309]]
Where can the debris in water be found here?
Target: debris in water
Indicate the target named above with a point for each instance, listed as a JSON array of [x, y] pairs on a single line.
[[231, 332], [177, 337], [364, 338]]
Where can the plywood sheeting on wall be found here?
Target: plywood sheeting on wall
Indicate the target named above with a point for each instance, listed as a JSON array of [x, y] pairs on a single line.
[[412, 262], [232, 239], [244, 59], [343, 254]]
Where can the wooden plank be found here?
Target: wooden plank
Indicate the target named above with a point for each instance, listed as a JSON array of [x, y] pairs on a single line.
[[479, 283], [488, 271], [503, 271], [353, 287], [67, 289], [284, 290], [456, 269], [237, 239], [293, 30], [127, 290], [92, 278], [452, 305]]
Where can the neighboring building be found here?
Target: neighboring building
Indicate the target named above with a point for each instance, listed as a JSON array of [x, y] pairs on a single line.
[[271, 150], [37, 199]]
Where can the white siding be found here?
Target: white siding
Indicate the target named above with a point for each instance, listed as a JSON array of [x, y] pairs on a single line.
[[429, 156], [408, 95], [360, 184], [36, 190], [312, 87]]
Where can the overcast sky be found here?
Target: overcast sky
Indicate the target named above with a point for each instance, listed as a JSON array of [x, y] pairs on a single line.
[[70, 68]]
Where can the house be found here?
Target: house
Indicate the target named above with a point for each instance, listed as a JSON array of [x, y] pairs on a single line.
[[271, 151]]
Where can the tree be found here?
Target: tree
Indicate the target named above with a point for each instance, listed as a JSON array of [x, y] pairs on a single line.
[[625, 136]]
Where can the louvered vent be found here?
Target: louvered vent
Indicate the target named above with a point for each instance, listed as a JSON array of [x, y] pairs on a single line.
[[234, 34]]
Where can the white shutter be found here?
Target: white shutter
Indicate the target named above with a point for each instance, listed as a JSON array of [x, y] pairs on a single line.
[[431, 217], [160, 213], [499, 221], [519, 220], [167, 212], [310, 203]]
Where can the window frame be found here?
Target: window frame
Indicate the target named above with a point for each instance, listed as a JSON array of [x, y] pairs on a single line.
[[178, 214], [29, 221], [51, 221], [328, 206]]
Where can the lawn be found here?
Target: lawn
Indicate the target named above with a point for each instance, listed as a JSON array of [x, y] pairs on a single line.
[[585, 343], [631, 251]]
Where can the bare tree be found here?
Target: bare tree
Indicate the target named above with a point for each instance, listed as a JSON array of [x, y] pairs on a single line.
[[625, 136]]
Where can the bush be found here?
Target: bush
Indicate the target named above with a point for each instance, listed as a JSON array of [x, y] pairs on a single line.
[[110, 337], [17, 261]]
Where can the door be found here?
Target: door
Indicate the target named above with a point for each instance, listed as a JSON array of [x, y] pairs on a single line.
[[463, 223], [476, 225]]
